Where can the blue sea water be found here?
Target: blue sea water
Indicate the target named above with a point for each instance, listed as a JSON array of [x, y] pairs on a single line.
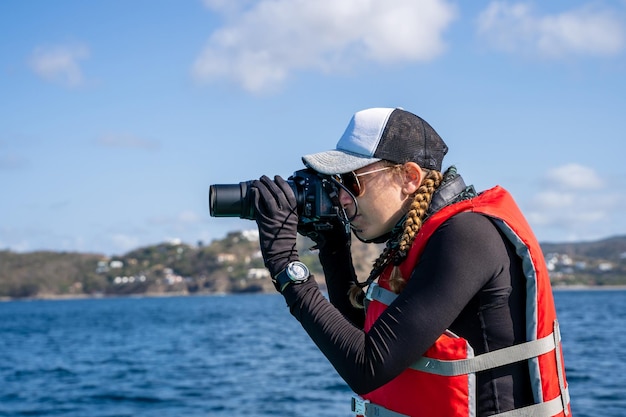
[[235, 355]]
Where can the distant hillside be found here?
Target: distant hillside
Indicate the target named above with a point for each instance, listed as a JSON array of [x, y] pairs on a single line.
[[611, 249], [234, 264], [601, 262]]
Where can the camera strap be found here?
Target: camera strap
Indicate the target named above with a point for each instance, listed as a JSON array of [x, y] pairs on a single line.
[[333, 193]]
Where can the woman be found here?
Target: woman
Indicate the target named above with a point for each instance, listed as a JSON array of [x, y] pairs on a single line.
[[461, 277]]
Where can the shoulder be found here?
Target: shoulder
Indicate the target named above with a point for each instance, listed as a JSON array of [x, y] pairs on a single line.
[[470, 233], [464, 254], [467, 223]]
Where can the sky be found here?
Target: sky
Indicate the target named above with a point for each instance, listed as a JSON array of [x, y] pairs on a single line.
[[116, 116]]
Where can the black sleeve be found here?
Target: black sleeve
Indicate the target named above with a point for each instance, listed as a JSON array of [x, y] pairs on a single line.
[[460, 257], [339, 274]]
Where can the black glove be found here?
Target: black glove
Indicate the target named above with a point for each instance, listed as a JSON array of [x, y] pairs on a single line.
[[329, 236], [277, 219]]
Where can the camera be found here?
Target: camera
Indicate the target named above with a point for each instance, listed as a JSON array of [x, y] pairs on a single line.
[[317, 197]]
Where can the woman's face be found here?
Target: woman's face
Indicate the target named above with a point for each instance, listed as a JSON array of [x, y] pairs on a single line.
[[383, 200]]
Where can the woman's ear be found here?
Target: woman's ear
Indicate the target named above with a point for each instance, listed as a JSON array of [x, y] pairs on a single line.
[[413, 176]]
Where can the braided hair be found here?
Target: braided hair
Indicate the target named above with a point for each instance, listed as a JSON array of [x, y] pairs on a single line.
[[399, 244]]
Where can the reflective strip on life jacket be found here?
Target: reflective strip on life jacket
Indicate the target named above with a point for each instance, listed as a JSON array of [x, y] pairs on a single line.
[[483, 362], [364, 408]]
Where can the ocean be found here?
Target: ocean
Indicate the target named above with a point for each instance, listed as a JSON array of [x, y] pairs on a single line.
[[236, 355]]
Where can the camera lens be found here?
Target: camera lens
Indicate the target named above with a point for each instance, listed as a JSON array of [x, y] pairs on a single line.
[[231, 200]]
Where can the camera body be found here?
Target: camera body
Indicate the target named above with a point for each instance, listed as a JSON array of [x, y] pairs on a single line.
[[317, 197]]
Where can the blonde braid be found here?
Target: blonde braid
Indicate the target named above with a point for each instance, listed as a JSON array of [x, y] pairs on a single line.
[[412, 224]]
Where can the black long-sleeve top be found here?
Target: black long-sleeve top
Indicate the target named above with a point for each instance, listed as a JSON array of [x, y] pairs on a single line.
[[468, 280]]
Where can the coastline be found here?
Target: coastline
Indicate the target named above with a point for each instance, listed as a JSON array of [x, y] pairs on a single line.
[[588, 287], [61, 297]]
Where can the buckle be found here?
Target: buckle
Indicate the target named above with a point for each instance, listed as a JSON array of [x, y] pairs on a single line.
[[359, 405], [369, 294]]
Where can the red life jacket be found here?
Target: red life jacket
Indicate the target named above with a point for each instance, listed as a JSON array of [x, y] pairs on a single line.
[[441, 383]]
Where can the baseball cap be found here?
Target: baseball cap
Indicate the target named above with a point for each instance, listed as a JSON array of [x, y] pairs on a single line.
[[393, 134]]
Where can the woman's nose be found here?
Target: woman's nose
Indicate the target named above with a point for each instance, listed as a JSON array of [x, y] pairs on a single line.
[[344, 198], [348, 203]]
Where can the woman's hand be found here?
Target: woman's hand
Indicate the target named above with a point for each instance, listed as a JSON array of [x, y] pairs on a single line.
[[277, 219]]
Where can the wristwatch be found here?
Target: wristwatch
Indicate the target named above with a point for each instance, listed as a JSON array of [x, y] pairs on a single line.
[[295, 273]]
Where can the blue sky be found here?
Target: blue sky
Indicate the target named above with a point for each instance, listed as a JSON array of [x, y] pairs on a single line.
[[116, 116]]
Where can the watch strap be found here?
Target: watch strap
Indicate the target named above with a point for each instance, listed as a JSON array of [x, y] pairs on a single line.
[[281, 280]]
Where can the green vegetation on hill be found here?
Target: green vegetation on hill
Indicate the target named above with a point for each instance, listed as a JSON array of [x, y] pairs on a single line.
[[234, 264], [601, 262]]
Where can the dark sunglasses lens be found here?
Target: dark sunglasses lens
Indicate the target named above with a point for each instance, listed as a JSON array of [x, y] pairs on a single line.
[[351, 182]]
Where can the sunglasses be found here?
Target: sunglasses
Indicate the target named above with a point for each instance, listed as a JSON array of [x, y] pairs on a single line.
[[350, 180]]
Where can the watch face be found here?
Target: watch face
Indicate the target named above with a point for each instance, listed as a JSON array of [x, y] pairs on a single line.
[[297, 271]]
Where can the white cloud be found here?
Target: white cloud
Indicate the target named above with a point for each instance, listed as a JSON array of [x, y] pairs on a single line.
[[517, 28], [554, 199], [575, 177], [60, 63], [574, 202], [263, 44]]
